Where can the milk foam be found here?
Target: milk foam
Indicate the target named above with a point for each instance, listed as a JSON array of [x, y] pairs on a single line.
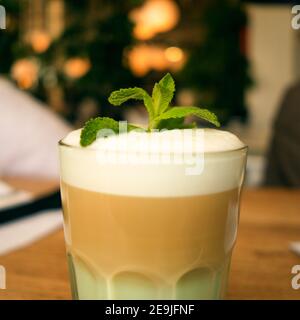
[[223, 163], [214, 140]]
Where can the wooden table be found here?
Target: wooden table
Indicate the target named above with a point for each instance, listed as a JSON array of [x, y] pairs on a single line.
[[261, 266]]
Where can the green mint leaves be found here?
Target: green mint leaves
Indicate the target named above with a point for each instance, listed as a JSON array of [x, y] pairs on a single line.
[[119, 97], [158, 106], [181, 112], [92, 127], [161, 114], [162, 94]]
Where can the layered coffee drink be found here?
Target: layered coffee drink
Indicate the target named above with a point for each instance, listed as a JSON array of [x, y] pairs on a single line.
[[156, 227]]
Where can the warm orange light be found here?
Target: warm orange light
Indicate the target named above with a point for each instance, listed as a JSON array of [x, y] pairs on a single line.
[[143, 32], [138, 59], [39, 41], [143, 58], [76, 67], [25, 73], [157, 60], [153, 17], [174, 54]]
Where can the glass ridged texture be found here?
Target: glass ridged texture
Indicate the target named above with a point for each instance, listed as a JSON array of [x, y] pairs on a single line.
[[160, 241]]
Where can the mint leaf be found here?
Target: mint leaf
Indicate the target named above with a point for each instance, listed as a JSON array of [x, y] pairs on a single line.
[[149, 106], [93, 126], [162, 94], [168, 82], [120, 96], [181, 112], [158, 105], [161, 116], [175, 123]]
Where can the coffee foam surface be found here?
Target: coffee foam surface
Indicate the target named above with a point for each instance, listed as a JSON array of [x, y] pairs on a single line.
[[222, 169]]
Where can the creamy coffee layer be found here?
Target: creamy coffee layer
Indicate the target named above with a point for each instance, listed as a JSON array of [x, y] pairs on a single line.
[[215, 152], [149, 248]]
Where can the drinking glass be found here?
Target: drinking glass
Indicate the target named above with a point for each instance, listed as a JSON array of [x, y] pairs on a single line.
[[149, 230]]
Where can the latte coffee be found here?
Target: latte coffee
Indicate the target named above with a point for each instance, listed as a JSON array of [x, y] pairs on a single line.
[[151, 231]]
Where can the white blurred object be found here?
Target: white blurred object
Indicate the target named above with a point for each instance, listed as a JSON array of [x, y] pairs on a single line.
[[295, 247], [10, 196], [255, 170], [29, 133], [23, 232]]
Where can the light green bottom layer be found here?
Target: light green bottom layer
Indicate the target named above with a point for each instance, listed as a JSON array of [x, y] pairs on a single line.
[[197, 284]]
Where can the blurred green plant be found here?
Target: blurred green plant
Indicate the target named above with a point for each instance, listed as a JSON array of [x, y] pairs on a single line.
[[98, 31], [218, 69], [97, 34]]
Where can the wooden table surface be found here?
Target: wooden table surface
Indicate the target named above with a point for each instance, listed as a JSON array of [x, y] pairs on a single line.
[[261, 265]]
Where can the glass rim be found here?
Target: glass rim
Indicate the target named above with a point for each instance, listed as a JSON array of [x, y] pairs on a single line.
[[63, 144]]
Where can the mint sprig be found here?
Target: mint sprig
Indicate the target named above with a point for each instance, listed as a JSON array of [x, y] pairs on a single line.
[[162, 94], [158, 107], [92, 128], [120, 96], [182, 112]]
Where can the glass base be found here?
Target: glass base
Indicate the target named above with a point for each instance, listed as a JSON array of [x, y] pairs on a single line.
[[196, 284]]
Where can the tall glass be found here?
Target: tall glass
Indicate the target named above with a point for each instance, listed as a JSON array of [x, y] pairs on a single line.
[[149, 230]]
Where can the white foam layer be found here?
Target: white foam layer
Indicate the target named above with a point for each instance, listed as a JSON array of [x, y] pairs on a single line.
[[218, 154], [174, 140]]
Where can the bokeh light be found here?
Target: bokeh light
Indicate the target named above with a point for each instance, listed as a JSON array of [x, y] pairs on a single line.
[[153, 17]]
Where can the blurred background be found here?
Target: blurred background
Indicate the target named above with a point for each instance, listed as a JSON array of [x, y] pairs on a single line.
[[236, 58]]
